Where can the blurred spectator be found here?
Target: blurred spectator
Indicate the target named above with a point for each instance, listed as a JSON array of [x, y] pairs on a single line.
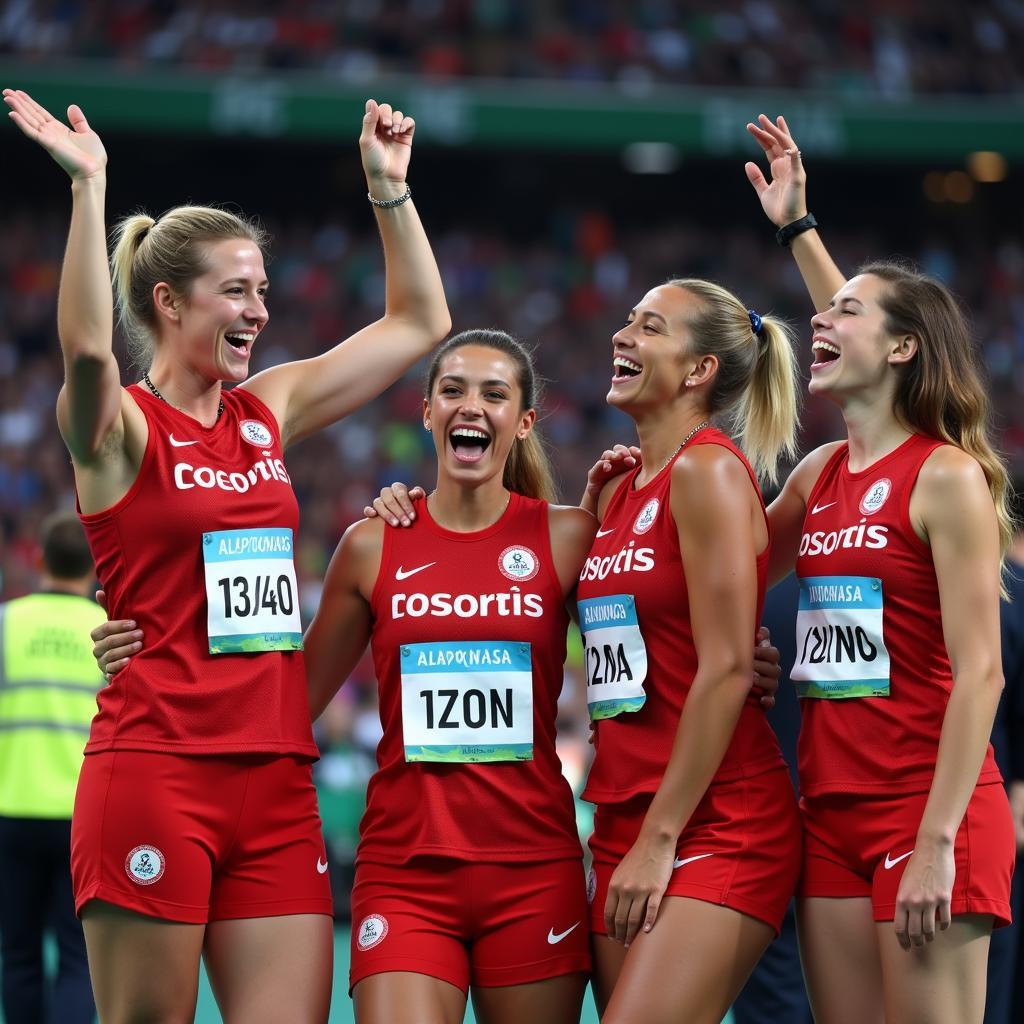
[[880, 48]]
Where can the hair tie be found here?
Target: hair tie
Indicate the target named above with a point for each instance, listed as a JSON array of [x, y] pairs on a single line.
[[756, 323]]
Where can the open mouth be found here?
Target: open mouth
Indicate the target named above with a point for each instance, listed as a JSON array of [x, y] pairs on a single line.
[[469, 443], [824, 352], [240, 341], [623, 369]]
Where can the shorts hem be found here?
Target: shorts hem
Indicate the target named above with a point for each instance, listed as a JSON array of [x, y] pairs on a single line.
[[709, 894], [272, 908], [406, 965], [999, 909], [524, 974], [835, 891], [146, 906]]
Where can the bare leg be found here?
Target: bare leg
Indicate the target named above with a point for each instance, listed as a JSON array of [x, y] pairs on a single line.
[[272, 968], [839, 952], [142, 968], [552, 1001], [942, 982], [402, 997], [689, 967], [608, 956]]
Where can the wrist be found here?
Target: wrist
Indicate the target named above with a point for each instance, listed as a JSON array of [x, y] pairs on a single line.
[[658, 835], [935, 838], [385, 189], [794, 228], [91, 183]]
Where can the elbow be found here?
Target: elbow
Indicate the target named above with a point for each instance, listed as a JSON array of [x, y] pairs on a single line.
[[440, 324]]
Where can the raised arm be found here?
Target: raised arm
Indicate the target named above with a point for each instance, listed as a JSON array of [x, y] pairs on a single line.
[[89, 406], [784, 201], [311, 394]]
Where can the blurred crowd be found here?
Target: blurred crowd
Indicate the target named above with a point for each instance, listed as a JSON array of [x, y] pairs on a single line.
[[885, 48]]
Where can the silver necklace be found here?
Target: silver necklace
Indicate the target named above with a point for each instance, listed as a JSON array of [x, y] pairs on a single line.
[[220, 405], [682, 444]]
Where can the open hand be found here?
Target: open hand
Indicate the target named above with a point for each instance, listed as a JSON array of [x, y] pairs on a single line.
[[77, 149], [784, 199]]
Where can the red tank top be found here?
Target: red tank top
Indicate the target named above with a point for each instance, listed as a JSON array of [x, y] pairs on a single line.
[[871, 663], [634, 580], [469, 630], [160, 551]]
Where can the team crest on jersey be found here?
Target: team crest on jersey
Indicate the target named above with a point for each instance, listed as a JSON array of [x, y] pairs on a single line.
[[875, 496], [144, 865], [256, 433], [591, 885], [518, 563], [648, 514], [372, 931]]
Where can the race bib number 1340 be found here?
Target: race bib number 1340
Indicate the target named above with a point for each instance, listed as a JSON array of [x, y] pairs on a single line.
[[252, 599]]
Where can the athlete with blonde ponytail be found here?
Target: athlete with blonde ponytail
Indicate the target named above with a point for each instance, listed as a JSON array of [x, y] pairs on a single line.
[[696, 834], [897, 535], [196, 829]]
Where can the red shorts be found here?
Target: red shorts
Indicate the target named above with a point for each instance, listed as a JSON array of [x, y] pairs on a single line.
[[857, 845], [740, 848], [478, 924], [197, 839]]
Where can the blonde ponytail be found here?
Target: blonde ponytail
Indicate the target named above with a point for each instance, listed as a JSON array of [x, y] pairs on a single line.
[[756, 383], [528, 469], [768, 412]]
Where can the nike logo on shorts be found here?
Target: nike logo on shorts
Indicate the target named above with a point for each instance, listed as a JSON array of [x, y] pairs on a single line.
[[679, 862], [604, 533], [891, 862], [553, 938], [821, 508], [179, 444], [321, 866], [404, 574]]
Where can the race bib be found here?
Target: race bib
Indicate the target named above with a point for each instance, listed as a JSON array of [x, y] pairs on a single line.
[[840, 651], [468, 701], [614, 654], [252, 599]]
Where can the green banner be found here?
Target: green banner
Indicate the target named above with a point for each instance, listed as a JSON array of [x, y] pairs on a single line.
[[548, 115]]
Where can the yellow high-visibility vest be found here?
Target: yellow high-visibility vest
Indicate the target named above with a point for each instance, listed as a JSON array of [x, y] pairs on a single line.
[[48, 684]]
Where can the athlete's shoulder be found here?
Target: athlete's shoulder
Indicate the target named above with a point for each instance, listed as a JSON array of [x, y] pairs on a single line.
[[571, 521], [706, 463], [364, 538], [947, 470]]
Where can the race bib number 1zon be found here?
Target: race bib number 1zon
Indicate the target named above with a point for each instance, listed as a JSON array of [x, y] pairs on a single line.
[[840, 650], [467, 701], [252, 599]]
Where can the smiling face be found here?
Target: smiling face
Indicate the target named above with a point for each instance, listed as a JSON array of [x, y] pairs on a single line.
[[852, 349], [651, 353], [216, 323], [475, 412]]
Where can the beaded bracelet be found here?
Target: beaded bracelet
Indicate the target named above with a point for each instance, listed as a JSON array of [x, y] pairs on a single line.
[[386, 204]]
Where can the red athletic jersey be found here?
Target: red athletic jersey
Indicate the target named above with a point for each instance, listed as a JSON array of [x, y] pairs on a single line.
[[635, 559], [151, 550], [466, 628], [871, 662]]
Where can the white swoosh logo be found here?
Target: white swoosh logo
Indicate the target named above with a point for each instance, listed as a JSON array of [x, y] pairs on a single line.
[[553, 938], [686, 860], [321, 865], [604, 533], [821, 508], [402, 574], [180, 444], [890, 863]]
